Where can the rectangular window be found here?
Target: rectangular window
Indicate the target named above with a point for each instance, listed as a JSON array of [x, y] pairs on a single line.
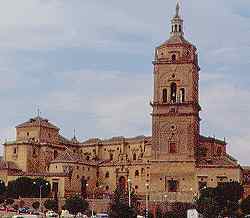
[[172, 147], [172, 185]]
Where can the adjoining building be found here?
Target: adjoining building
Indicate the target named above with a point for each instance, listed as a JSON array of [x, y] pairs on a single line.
[[173, 164]]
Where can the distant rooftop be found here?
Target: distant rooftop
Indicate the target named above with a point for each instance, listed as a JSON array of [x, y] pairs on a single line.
[[37, 122]]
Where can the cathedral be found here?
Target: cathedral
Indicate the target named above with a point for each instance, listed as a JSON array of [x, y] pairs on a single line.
[[173, 164]]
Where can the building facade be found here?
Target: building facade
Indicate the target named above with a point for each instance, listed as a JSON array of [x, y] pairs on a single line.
[[173, 164]]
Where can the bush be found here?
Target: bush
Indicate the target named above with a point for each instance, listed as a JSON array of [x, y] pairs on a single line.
[[2, 187], [20, 187], [51, 205], [245, 206], [36, 205], [75, 205]]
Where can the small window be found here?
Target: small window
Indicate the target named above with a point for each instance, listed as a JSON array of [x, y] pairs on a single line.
[[77, 167], [173, 57], [107, 188], [87, 158], [111, 156], [172, 185], [88, 168], [137, 173], [134, 156], [28, 133], [142, 171], [15, 150], [107, 175], [164, 96], [34, 151], [83, 169], [180, 29], [136, 187], [77, 176], [172, 147], [175, 27], [55, 154]]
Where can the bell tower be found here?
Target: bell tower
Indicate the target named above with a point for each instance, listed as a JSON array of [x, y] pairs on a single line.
[[175, 116]]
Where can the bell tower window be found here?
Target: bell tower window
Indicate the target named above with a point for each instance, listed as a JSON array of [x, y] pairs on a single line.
[[175, 27], [173, 92], [182, 95], [164, 96], [180, 29]]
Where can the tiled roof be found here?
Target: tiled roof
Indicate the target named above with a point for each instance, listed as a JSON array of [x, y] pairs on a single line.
[[40, 174], [218, 162], [8, 165], [68, 156], [176, 40], [116, 139], [37, 122], [211, 139]]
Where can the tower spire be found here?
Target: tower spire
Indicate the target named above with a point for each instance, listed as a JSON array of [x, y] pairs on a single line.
[[177, 22], [177, 8]]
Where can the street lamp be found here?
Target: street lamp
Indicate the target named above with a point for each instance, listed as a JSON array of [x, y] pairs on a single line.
[[40, 193], [129, 192], [87, 189], [147, 187]]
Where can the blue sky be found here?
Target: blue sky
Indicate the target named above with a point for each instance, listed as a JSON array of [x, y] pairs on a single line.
[[87, 65]]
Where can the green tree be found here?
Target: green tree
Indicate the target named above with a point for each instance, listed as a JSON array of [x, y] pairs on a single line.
[[45, 188], [224, 199], [119, 206], [51, 204], [20, 187], [245, 206], [76, 204]]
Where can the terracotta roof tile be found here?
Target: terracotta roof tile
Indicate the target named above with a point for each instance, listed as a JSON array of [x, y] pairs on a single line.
[[37, 122]]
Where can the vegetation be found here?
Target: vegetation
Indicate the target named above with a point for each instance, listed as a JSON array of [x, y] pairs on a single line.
[[26, 187], [2, 187], [222, 200], [119, 207], [245, 206], [51, 205], [45, 190], [36, 205], [76, 204]]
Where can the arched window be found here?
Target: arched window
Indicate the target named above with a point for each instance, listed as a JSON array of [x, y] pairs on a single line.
[[173, 57], [107, 175], [182, 95], [142, 171], [55, 154], [172, 28], [164, 96], [180, 28], [172, 147], [107, 188], [137, 173], [175, 27], [134, 156], [87, 158], [173, 92]]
